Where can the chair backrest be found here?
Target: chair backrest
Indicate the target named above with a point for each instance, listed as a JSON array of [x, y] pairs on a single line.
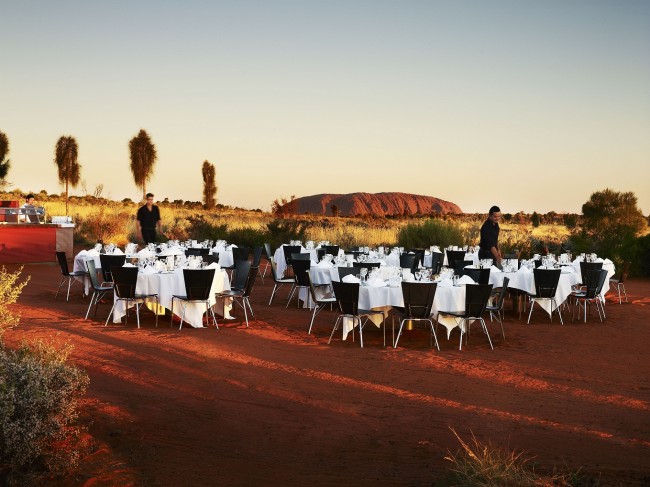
[[479, 276], [622, 274], [346, 271], [198, 283], [418, 298], [195, 251], [240, 253], [502, 294], [108, 261], [63, 263], [436, 262], [459, 267], [268, 251], [250, 281], [408, 261], [546, 281], [511, 256], [300, 268], [332, 249], [274, 270], [453, 256], [591, 281], [300, 256], [367, 265], [124, 281], [476, 299], [586, 267], [601, 280], [288, 250], [92, 271], [257, 256], [420, 255], [240, 274], [347, 297], [320, 253], [211, 258]]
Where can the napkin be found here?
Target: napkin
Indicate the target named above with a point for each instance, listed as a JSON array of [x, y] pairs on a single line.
[[144, 253], [524, 270], [117, 251], [466, 280], [494, 269], [607, 261], [566, 269], [93, 252], [351, 278], [376, 283], [445, 283], [324, 264], [128, 264], [149, 270], [214, 265]]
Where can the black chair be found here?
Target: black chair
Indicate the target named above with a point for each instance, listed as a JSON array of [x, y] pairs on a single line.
[[332, 249], [99, 291], [196, 251], [278, 281], [242, 296], [319, 301], [125, 280], [320, 253], [240, 274], [436, 262], [476, 300], [546, 281], [594, 282], [459, 267], [269, 254], [211, 258], [198, 285], [496, 309], [453, 256], [618, 281], [66, 274], [420, 256], [408, 261], [240, 253], [367, 265], [587, 267], [257, 259], [288, 250], [418, 300], [347, 300], [479, 276], [301, 280], [108, 261], [304, 256], [346, 271]]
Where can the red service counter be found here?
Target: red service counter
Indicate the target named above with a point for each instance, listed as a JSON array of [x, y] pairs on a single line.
[[22, 243]]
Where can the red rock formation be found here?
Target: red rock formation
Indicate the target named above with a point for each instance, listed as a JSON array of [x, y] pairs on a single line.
[[381, 204]]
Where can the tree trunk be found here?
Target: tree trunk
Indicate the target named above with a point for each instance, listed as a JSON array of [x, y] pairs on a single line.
[[66, 198]]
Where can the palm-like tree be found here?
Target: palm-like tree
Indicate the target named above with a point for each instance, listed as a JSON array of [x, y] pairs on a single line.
[[4, 164], [143, 157], [65, 158], [209, 185]]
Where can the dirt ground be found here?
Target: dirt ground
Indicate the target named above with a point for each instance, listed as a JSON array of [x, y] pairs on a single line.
[[272, 405]]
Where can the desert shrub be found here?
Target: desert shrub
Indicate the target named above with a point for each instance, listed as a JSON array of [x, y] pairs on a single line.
[[430, 232], [199, 228], [249, 237], [105, 225], [478, 464], [282, 230], [10, 290], [38, 411], [642, 258]]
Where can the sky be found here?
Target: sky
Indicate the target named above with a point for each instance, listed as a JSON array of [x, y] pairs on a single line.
[[530, 105]]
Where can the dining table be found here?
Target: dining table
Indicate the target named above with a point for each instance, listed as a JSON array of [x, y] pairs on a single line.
[[169, 283]]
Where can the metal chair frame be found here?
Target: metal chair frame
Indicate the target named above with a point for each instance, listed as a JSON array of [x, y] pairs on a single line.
[[319, 303], [66, 274], [476, 299], [418, 301], [278, 282], [198, 284], [243, 295], [347, 300], [125, 280], [595, 280], [99, 291], [546, 282]]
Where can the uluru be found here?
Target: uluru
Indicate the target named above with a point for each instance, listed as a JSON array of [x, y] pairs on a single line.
[[379, 204]]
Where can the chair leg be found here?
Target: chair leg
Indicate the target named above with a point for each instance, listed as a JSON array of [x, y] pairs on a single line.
[[559, 311], [171, 312], [532, 305], [433, 332], [317, 308], [399, 333], [110, 314], [69, 284], [92, 298], [334, 328], [485, 330], [360, 329], [275, 288], [291, 293], [63, 280]]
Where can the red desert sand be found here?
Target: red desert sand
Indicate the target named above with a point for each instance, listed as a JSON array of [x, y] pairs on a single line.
[[272, 405]]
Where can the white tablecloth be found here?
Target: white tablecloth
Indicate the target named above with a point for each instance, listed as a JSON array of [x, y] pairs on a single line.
[[281, 263], [167, 285]]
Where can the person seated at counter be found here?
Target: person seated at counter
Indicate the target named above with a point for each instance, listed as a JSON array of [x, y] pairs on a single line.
[[28, 213]]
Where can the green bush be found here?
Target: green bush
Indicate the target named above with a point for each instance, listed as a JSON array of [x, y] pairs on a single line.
[[38, 410], [200, 228], [248, 237], [104, 225], [430, 232], [282, 230], [9, 292]]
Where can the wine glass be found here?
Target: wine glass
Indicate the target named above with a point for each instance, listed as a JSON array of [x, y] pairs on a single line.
[[364, 273]]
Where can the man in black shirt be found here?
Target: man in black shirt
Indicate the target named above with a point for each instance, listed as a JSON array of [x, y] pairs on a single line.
[[148, 220], [489, 245]]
